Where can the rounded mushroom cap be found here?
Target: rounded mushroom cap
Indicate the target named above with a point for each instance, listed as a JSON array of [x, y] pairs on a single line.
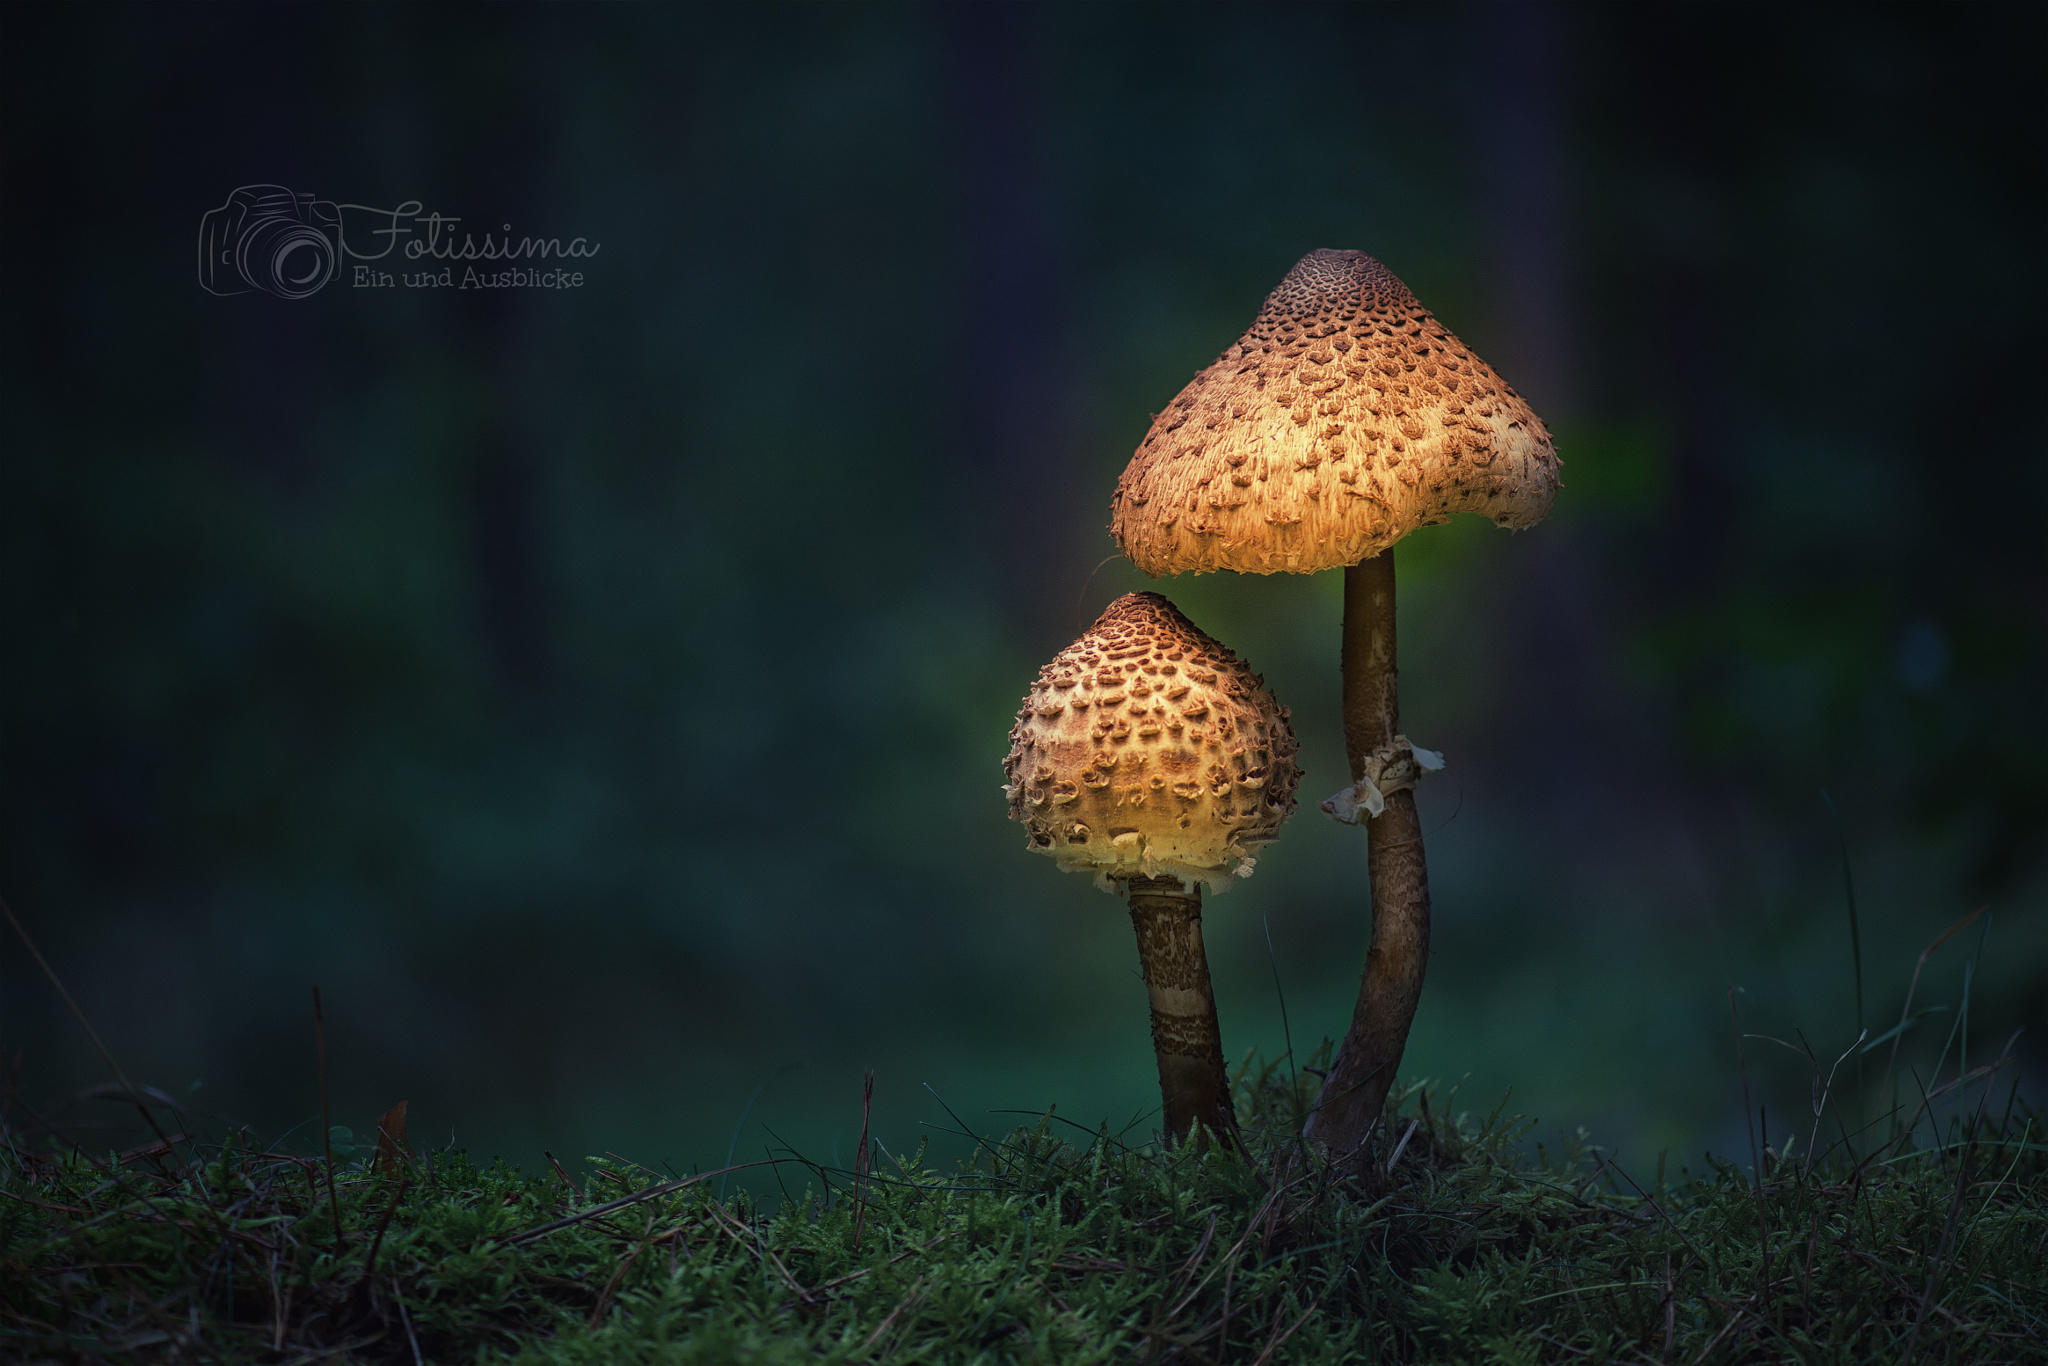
[[1147, 749], [1345, 418]]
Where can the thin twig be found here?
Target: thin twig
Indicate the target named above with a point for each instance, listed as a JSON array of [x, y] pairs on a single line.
[[647, 1193], [57, 984], [369, 1268], [762, 1252], [611, 1287], [411, 1337], [1670, 1308], [860, 1159], [560, 1173], [1278, 1339], [326, 1128]]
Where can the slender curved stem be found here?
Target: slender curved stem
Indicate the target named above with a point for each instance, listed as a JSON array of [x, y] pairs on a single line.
[[1185, 1038], [1355, 1091]]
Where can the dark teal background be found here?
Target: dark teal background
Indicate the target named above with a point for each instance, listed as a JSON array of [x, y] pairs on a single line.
[[601, 695]]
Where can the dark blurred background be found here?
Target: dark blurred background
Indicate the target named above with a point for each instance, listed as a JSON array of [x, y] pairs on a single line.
[[600, 694]]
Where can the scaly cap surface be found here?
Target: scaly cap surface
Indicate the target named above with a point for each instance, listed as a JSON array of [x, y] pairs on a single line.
[[1343, 419], [1148, 749]]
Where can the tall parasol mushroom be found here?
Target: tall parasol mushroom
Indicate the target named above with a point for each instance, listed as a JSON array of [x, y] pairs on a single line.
[[1151, 756], [1344, 418]]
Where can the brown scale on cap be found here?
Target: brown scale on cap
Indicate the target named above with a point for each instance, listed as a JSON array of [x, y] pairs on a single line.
[[1343, 419], [1147, 749]]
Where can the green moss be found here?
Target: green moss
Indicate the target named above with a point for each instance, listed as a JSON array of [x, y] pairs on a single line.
[[1049, 1245]]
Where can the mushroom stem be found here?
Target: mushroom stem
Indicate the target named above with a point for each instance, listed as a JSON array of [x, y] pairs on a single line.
[[1185, 1037], [1355, 1091]]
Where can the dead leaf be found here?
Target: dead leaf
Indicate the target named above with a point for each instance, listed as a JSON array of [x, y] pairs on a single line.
[[391, 1151]]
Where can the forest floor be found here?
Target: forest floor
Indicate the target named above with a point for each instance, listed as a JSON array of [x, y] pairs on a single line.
[[1924, 1241]]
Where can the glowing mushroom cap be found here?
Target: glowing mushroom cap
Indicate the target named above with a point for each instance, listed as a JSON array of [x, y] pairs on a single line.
[[1147, 749], [1345, 418]]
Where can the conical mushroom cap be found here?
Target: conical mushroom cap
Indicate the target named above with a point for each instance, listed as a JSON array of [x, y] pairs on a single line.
[[1345, 418], [1147, 749]]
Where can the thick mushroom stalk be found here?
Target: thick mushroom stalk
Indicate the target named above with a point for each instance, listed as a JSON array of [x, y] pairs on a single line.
[[1150, 756], [1186, 1040], [1355, 1089]]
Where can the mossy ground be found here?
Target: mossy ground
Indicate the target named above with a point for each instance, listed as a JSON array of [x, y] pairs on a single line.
[[1050, 1244]]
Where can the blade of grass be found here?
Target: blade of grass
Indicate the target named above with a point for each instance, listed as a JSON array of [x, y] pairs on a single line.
[[738, 1125], [1892, 1062], [1763, 1223], [1286, 1034], [1855, 929]]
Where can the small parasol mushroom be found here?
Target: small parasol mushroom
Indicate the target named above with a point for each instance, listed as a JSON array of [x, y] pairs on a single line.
[[1150, 756]]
